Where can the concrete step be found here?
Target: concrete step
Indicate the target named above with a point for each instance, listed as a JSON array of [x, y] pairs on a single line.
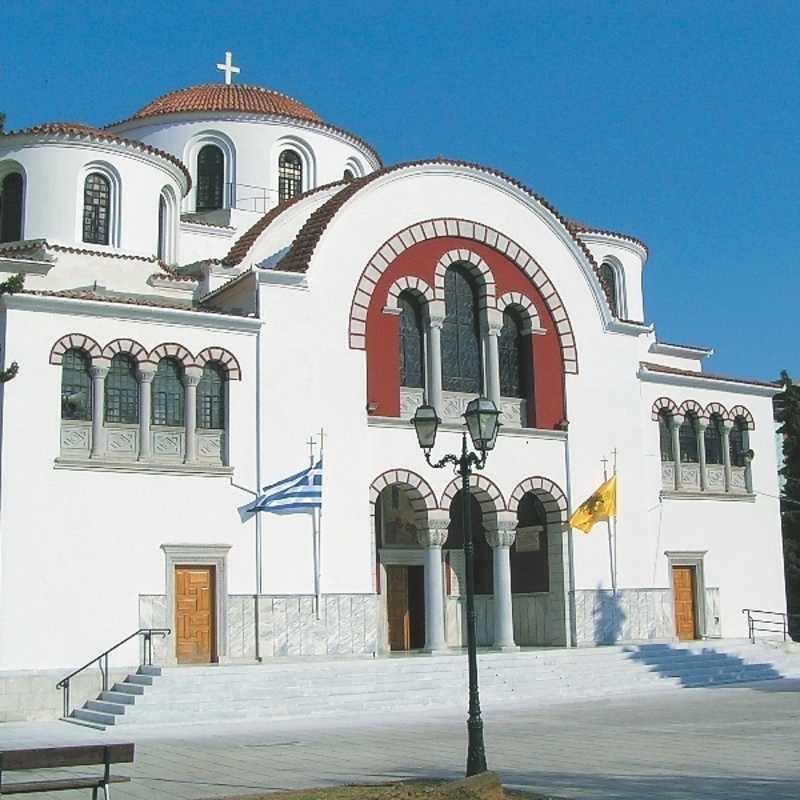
[[103, 705], [83, 723], [140, 680], [127, 688], [147, 669], [118, 697], [93, 716]]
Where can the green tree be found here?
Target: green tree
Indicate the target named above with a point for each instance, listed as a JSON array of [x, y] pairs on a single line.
[[787, 413], [13, 284]]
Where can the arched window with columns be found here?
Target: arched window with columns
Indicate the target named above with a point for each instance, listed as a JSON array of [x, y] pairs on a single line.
[[688, 439], [168, 394], [665, 423], [210, 178], [739, 442], [211, 398], [713, 440], [514, 356], [412, 337], [529, 565], [461, 341], [76, 386], [11, 191], [122, 391]]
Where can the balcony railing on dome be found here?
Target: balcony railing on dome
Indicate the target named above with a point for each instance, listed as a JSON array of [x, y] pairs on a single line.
[[247, 197]]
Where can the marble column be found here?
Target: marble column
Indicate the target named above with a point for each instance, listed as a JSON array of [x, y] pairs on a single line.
[[98, 372], [493, 366], [501, 538], [431, 535], [191, 377], [727, 427], [147, 372], [676, 420], [702, 424], [434, 394]]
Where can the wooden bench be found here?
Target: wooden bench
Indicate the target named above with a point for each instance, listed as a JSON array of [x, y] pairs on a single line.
[[62, 757]]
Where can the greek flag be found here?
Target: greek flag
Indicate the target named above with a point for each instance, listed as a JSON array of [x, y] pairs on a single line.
[[298, 492]]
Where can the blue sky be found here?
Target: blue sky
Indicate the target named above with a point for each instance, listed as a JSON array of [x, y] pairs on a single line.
[[677, 122]]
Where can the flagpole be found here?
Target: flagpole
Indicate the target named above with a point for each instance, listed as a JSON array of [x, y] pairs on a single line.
[[318, 576], [610, 544], [616, 511]]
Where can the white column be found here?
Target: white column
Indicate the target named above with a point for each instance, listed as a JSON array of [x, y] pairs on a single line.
[[727, 427], [146, 374], [676, 420], [501, 540], [702, 424], [434, 394], [191, 377], [432, 535], [98, 372], [493, 366]]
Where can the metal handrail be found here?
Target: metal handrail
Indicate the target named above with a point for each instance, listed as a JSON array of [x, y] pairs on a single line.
[[102, 660], [779, 625]]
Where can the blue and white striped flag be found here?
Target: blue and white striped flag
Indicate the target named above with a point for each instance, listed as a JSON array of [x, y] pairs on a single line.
[[298, 492]]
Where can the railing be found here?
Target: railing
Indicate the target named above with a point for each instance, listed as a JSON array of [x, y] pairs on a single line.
[[102, 660], [246, 197], [767, 622]]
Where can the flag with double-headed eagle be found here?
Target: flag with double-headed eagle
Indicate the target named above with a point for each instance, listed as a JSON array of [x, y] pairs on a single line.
[[602, 505]]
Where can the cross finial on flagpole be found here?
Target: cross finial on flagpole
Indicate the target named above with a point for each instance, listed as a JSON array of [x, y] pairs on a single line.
[[228, 68], [311, 444], [604, 462]]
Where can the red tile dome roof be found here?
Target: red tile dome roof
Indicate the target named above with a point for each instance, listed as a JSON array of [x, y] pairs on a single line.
[[222, 97]]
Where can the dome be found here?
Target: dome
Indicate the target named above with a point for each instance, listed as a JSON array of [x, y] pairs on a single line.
[[221, 97]]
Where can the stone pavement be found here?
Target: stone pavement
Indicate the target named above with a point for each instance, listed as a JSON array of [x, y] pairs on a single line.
[[736, 742]]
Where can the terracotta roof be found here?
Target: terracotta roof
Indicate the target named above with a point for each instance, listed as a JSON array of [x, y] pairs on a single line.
[[233, 97], [302, 249], [173, 276], [707, 375], [242, 246], [79, 130], [582, 227], [31, 245]]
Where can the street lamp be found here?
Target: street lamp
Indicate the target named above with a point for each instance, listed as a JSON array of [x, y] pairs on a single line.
[[481, 418]]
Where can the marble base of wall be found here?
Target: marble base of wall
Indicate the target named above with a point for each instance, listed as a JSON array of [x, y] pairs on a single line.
[[636, 615]]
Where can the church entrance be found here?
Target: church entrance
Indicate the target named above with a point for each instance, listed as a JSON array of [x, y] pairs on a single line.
[[405, 601], [684, 589], [194, 614]]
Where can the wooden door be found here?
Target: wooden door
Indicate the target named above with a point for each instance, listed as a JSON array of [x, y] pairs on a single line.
[[683, 593], [194, 614], [397, 608]]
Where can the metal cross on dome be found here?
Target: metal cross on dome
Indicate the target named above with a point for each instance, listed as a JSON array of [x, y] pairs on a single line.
[[228, 68]]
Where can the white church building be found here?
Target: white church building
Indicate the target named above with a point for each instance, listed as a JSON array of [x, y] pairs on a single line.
[[223, 274]]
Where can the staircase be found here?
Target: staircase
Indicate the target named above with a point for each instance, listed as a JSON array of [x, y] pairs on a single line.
[[305, 687]]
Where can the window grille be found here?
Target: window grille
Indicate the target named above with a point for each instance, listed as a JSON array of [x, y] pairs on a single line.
[[122, 391], [290, 175], [412, 372], [168, 394], [609, 277], [740, 442], [713, 438], [76, 386], [461, 343], [211, 398], [510, 347], [11, 208], [665, 435], [210, 178], [688, 440], [96, 209]]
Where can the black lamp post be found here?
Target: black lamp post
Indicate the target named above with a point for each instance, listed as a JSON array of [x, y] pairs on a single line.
[[482, 422]]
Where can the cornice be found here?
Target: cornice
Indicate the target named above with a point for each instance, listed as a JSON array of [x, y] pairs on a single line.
[[680, 350], [618, 239], [731, 385]]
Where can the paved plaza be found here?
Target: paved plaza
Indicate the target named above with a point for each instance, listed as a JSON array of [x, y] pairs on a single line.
[[735, 742]]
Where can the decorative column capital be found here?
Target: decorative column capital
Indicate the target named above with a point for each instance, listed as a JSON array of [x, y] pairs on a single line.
[[702, 424], [502, 533], [436, 313], [432, 532], [728, 425], [192, 376], [677, 420], [98, 370], [147, 372]]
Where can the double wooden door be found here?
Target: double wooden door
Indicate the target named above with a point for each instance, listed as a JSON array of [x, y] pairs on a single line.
[[405, 602], [194, 614], [684, 587]]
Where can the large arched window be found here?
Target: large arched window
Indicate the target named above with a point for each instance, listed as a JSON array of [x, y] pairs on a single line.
[[122, 391], [11, 207], [609, 277], [529, 568], [665, 435], [713, 440], [290, 175], [211, 398], [210, 178], [412, 371], [740, 442], [461, 343], [688, 439], [76, 386], [168, 394], [96, 209], [512, 352]]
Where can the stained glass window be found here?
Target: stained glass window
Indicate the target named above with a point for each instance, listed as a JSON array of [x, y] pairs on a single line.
[[740, 442], [461, 342], [412, 372], [511, 348], [713, 439], [665, 435], [290, 175], [211, 398], [122, 391], [610, 279], [11, 208], [168, 394], [76, 386], [96, 209], [210, 178], [688, 439]]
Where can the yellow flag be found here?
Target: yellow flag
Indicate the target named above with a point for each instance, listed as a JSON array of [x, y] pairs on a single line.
[[600, 506]]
